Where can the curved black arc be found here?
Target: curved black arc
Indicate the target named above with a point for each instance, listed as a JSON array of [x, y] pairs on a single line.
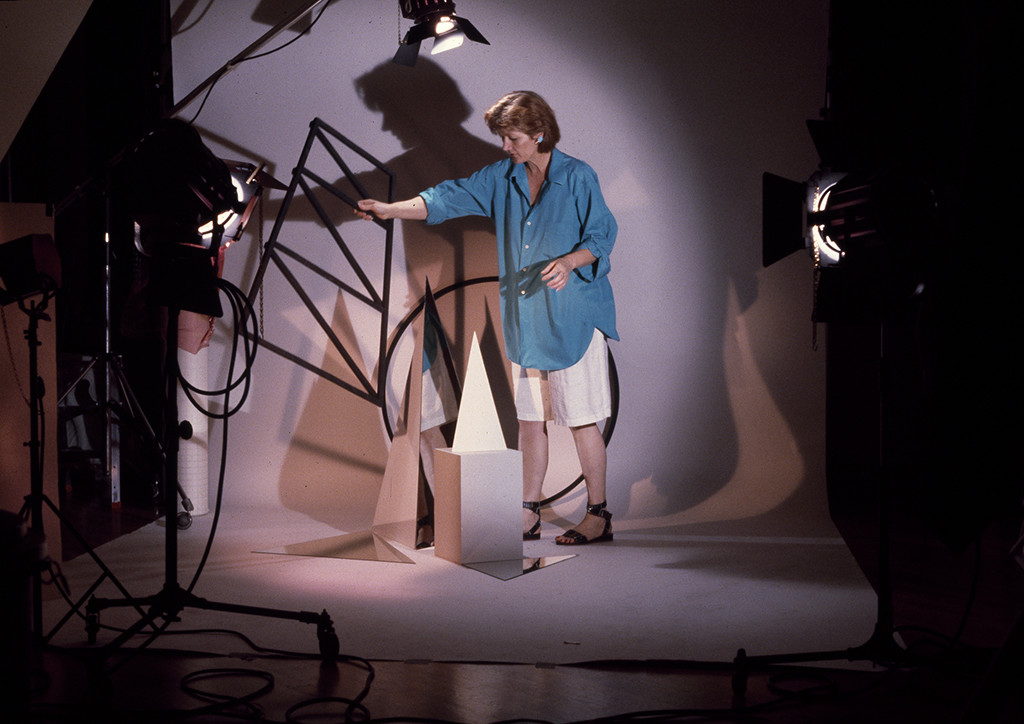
[[613, 375]]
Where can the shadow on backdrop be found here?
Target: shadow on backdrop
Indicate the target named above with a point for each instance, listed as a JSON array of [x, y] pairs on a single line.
[[425, 110]]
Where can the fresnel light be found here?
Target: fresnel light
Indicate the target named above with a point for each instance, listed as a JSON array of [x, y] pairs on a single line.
[[248, 181], [433, 19], [839, 216], [172, 186]]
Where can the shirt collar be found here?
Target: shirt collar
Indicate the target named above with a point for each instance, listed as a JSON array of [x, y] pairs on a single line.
[[556, 169]]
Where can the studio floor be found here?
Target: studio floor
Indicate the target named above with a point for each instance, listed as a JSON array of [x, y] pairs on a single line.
[[646, 628]]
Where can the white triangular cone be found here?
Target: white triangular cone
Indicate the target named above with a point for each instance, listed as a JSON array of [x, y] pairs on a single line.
[[478, 428]]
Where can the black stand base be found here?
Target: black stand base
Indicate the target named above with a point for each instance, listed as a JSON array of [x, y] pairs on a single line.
[[173, 599], [881, 648]]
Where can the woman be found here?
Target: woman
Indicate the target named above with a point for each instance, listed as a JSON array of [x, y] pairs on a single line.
[[555, 234]]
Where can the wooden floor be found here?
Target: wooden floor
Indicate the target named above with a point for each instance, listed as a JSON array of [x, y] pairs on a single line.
[[947, 657], [151, 688]]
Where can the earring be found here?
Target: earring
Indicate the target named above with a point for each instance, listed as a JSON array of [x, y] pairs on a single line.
[[540, 138]]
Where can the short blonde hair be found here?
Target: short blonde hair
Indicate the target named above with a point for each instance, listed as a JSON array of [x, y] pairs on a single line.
[[526, 112]]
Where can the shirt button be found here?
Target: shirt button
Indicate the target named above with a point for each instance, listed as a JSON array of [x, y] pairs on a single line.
[[529, 223], [526, 246], [522, 291]]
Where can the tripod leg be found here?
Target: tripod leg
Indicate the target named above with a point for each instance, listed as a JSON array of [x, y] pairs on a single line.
[[71, 387], [106, 572], [135, 411]]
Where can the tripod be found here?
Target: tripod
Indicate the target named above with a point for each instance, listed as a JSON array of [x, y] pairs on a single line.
[[114, 376], [172, 598], [32, 509], [131, 409]]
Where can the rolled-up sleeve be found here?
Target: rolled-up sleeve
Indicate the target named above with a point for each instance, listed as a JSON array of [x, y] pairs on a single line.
[[596, 222], [472, 196]]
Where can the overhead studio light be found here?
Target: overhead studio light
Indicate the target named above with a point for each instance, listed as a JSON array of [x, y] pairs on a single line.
[[433, 19]]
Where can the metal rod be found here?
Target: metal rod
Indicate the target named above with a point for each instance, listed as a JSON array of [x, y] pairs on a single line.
[[263, 40]]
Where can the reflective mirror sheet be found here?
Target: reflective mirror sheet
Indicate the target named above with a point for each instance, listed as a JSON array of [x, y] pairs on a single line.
[[507, 570]]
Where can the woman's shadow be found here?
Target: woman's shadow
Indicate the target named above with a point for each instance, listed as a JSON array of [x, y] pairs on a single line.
[[425, 110]]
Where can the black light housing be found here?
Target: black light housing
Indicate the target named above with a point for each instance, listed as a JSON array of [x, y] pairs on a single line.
[[172, 184], [249, 181], [433, 19], [29, 265]]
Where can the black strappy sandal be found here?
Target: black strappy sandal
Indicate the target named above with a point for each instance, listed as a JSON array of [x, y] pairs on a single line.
[[575, 538], [534, 532], [425, 532]]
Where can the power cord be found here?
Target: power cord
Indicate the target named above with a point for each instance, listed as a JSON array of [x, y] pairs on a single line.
[[305, 31]]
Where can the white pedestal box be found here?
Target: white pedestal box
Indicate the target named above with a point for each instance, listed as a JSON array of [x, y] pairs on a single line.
[[478, 505]]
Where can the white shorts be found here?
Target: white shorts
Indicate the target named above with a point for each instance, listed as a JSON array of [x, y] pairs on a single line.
[[577, 395], [438, 404]]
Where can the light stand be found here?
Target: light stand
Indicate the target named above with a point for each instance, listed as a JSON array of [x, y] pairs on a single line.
[[36, 311], [114, 377], [172, 599], [190, 187], [850, 220], [24, 282], [881, 646]]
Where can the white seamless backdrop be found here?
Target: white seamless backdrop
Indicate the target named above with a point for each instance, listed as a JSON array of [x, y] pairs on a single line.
[[679, 105]]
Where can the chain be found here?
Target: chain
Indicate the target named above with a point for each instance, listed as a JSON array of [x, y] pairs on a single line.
[[814, 296], [260, 247]]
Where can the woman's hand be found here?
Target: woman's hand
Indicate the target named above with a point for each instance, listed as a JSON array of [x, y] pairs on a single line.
[[370, 208], [556, 274]]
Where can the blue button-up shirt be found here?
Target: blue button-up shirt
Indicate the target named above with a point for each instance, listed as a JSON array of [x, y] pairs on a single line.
[[543, 329]]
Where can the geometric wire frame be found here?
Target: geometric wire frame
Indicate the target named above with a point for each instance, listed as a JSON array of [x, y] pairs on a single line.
[[283, 256]]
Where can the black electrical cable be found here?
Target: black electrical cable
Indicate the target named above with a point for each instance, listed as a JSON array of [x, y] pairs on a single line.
[[285, 45], [189, 680], [242, 314], [209, 90], [222, 705], [234, 296]]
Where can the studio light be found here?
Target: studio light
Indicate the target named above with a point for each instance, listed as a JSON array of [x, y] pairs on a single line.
[[841, 216], [823, 247], [172, 185], [248, 182], [831, 215], [29, 265], [433, 19]]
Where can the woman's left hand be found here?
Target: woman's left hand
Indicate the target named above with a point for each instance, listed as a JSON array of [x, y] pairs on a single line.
[[556, 274]]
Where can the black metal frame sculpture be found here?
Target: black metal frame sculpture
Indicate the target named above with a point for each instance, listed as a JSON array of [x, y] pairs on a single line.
[[282, 256]]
